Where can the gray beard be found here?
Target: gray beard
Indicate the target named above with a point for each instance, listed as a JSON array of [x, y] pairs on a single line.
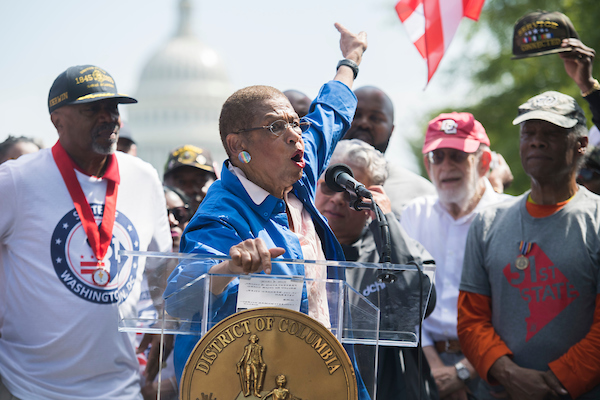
[[105, 150], [461, 196]]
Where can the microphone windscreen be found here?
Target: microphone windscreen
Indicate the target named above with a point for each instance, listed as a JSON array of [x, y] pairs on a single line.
[[331, 174]]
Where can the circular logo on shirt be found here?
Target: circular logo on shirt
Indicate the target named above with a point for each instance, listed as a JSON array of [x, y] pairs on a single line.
[[104, 281]]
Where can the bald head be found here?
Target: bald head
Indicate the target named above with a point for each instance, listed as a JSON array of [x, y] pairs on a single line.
[[371, 92], [299, 101], [374, 118]]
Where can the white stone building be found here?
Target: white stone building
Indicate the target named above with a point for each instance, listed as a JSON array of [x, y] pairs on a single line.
[[180, 93]]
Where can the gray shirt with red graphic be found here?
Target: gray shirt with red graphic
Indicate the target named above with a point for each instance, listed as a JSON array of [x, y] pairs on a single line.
[[542, 310]]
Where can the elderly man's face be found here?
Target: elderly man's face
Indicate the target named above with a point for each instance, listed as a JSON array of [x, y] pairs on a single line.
[[549, 151], [373, 121], [455, 181], [88, 128], [345, 222], [277, 161]]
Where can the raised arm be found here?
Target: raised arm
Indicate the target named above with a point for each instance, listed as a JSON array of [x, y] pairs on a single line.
[[353, 46]]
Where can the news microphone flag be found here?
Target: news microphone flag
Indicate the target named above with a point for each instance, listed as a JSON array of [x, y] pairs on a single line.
[[431, 25]]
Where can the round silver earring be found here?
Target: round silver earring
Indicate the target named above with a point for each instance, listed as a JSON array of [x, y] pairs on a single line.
[[244, 157]]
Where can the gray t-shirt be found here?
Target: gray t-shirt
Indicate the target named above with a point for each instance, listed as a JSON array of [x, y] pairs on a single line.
[[546, 308]]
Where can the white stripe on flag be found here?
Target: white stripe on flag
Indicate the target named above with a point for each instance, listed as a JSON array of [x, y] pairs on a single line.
[[451, 12], [415, 24]]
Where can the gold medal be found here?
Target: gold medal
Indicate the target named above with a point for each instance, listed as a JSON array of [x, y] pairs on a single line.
[[268, 353], [522, 262], [101, 277]]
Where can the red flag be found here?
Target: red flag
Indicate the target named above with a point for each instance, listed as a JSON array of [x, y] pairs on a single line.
[[431, 25]]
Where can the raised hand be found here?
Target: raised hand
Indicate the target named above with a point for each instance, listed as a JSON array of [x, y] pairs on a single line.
[[352, 45], [578, 63]]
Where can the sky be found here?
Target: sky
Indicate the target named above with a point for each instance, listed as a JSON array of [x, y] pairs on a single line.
[[285, 44]]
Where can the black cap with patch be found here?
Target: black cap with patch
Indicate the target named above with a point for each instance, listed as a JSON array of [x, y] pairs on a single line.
[[189, 155], [541, 32], [84, 84]]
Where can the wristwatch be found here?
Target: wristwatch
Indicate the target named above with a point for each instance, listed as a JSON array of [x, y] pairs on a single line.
[[350, 64], [463, 372]]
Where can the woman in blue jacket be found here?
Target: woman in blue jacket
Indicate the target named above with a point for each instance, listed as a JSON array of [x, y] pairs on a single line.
[[262, 207]]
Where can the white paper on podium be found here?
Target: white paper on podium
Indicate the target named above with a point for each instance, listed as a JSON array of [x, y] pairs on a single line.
[[265, 292]]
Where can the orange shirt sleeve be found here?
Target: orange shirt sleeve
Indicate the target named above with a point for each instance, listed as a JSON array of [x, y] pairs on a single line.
[[579, 368], [478, 339]]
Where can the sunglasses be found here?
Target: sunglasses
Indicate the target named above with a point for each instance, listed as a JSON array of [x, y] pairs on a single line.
[[181, 214], [326, 191], [437, 156], [587, 174]]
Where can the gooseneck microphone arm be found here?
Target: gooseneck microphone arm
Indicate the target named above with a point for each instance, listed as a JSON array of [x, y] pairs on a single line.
[[339, 177], [386, 251]]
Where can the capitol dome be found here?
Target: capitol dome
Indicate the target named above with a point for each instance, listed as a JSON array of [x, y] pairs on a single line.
[[180, 93]]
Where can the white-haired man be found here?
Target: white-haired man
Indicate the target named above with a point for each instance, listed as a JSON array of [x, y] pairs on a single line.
[[457, 158]]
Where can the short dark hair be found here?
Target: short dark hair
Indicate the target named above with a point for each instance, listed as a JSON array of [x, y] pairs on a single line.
[[13, 140], [239, 110], [579, 130], [374, 89]]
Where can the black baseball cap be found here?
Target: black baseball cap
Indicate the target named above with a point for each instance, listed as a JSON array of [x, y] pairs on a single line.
[[541, 32], [84, 84], [555, 107], [189, 155]]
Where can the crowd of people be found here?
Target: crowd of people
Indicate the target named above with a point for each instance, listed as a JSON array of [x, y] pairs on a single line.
[[514, 312]]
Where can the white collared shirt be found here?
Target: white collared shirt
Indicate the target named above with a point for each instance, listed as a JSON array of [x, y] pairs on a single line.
[[428, 222]]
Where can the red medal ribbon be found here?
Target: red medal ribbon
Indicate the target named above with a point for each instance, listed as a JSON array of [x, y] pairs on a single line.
[[99, 237]]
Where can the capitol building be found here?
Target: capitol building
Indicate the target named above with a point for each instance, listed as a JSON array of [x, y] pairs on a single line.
[[180, 93]]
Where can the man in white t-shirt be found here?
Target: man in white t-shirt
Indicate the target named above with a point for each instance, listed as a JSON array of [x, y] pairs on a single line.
[[66, 213], [457, 158]]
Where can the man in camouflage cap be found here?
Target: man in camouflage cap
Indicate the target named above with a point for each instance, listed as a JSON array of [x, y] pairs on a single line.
[[192, 170]]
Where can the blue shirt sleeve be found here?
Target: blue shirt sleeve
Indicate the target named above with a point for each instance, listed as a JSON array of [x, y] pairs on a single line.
[[331, 115]]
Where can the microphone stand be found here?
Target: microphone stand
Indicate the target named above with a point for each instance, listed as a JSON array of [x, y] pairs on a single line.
[[388, 277], [385, 257]]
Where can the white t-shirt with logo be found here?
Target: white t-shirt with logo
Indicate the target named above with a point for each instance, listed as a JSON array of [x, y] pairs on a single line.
[[58, 316]]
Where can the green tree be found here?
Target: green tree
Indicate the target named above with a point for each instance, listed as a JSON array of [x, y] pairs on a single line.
[[503, 84]]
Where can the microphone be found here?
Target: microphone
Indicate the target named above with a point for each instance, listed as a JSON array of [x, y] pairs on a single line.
[[339, 177]]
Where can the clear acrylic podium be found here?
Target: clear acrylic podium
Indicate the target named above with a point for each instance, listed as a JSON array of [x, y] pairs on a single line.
[[377, 304]]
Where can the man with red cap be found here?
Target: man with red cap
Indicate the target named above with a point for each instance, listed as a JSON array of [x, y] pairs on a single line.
[[457, 158]]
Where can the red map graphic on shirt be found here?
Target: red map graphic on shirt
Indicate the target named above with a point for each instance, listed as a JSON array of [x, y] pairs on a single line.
[[545, 289]]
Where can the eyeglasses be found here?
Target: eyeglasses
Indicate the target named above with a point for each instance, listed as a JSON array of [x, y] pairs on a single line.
[[278, 127], [181, 214], [437, 156], [587, 174], [326, 191]]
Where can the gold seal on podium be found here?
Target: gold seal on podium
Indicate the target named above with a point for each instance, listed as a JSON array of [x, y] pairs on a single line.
[[268, 353]]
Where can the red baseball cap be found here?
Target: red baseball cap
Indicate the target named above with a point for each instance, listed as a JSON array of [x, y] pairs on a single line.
[[460, 131]]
